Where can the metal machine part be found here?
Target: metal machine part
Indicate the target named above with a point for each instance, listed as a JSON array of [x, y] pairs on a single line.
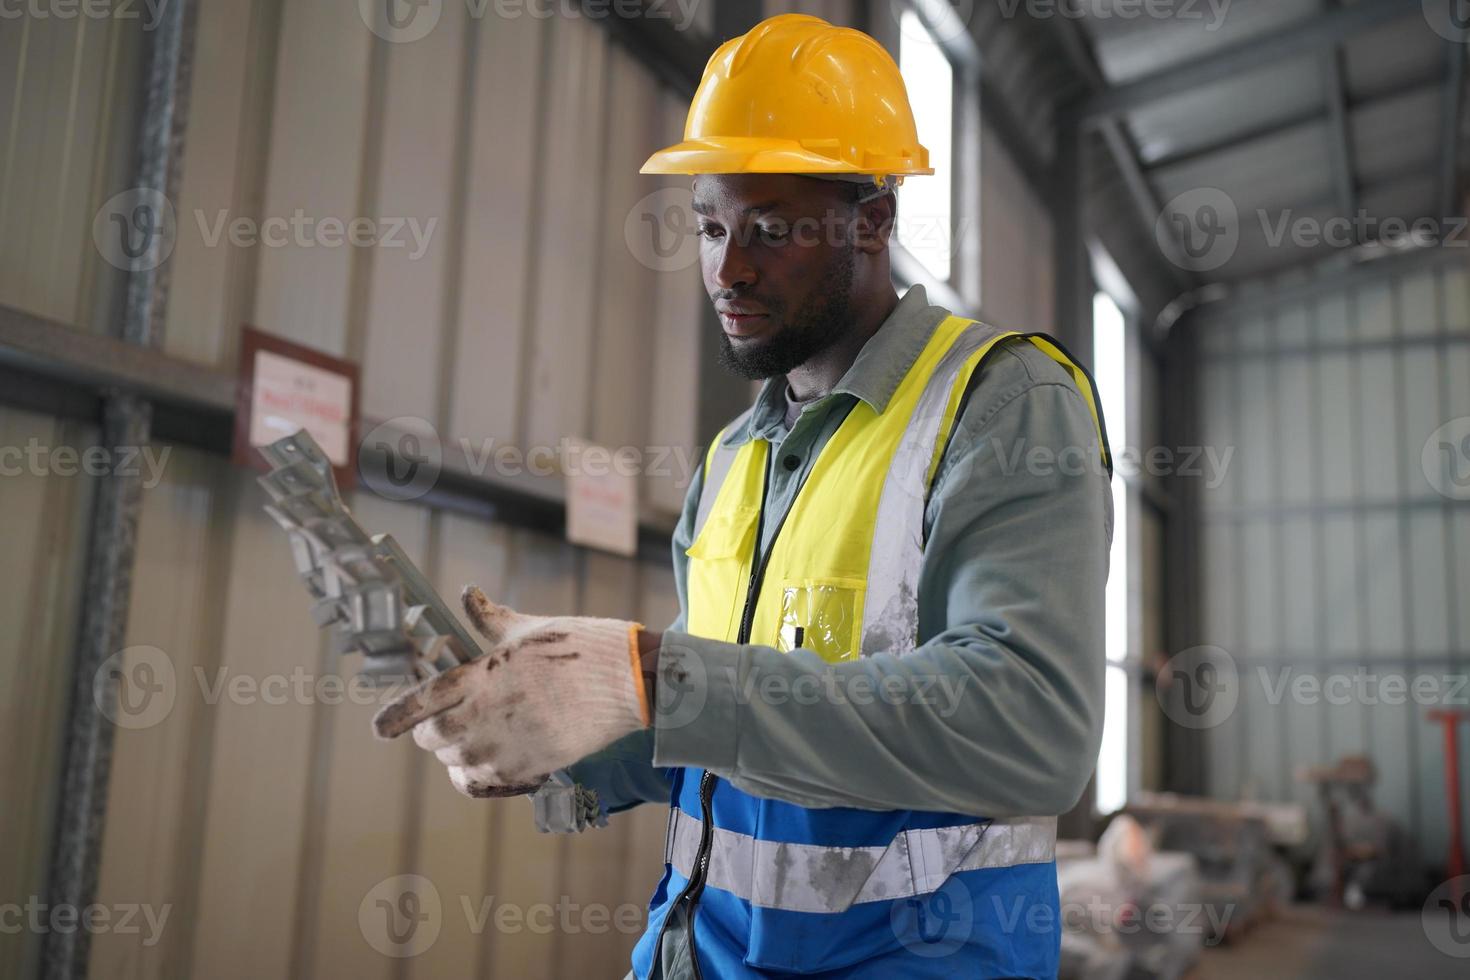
[[365, 589]]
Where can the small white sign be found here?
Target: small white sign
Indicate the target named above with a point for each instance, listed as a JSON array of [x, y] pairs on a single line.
[[602, 498], [289, 395]]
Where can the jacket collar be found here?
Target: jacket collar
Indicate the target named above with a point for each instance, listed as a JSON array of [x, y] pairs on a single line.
[[873, 378]]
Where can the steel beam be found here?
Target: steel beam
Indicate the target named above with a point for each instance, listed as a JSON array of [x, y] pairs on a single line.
[[45, 348], [1078, 50], [1282, 127], [1072, 283], [49, 367], [81, 813], [1339, 140], [1145, 201], [1454, 86], [1314, 35]]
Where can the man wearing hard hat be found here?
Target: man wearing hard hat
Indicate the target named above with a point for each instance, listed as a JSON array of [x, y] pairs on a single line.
[[886, 680]]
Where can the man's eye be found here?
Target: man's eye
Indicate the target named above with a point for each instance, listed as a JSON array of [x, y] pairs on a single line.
[[774, 233], [710, 232]]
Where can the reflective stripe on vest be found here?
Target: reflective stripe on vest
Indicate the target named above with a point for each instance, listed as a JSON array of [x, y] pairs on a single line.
[[814, 878]]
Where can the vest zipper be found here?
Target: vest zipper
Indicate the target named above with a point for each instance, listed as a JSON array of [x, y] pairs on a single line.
[[695, 887]]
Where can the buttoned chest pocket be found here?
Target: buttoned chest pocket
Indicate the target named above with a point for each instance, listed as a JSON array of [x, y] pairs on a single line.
[[719, 572], [824, 615]]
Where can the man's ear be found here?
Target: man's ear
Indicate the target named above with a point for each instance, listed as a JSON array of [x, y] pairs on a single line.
[[874, 225]]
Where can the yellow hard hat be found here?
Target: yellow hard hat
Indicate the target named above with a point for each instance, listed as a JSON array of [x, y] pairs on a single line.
[[796, 95]]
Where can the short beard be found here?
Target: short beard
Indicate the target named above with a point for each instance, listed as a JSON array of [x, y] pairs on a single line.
[[808, 332]]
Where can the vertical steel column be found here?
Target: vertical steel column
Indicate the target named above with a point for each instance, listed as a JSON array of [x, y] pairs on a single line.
[[1072, 321], [126, 421], [1072, 283]]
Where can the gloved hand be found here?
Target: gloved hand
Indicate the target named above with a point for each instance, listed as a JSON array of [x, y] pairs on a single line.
[[551, 691]]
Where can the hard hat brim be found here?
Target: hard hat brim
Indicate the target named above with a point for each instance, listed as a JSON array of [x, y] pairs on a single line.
[[754, 155]]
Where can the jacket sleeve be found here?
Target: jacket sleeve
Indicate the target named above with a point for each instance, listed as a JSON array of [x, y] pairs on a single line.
[[623, 774], [999, 711]]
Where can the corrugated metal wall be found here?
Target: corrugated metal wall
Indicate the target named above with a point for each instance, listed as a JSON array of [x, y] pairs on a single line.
[[259, 828], [1326, 551]]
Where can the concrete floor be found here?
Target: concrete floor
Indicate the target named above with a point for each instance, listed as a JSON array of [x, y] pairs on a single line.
[[1311, 943]]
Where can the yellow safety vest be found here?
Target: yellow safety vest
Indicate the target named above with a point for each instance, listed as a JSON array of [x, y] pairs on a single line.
[[842, 576]]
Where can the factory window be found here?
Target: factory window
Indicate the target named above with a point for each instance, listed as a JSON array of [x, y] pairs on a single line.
[[924, 215], [1110, 370]]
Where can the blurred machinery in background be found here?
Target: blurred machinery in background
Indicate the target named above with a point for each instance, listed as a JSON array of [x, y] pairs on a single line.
[[1364, 855], [1170, 876]]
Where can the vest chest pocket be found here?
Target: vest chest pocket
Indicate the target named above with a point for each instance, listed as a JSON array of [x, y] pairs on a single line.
[[822, 615], [719, 572]]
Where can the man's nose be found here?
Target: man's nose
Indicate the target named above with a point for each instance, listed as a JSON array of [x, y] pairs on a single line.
[[732, 268]]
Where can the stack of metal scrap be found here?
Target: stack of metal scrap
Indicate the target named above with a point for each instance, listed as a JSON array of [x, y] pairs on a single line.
[[365, 589], [1243, 879]]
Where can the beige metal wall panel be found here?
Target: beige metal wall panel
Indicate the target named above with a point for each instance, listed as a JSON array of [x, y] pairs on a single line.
[[418, 135], [1374, 312], [1256, 458], [564, 305], [1339, 452], [499, 228], [596, 934], [206, 266], [527, 868], [1378, 424], [55, 114], [170, 673], [1456, 289], [315, 168], [1015, 288], [452, 846], [359, 829], [646, 825], [1337, 567], [259, 761], [1418, 297], [42, 555], [1422, 414], [1299, 473], [679, 316], [622, 337]]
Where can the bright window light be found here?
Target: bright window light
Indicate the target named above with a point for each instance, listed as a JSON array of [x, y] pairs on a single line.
[[1109, 360], [1109, 349], [1112, 757], [925, 202]]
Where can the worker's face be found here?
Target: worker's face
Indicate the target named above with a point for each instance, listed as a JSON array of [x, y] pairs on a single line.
[[778, 256]]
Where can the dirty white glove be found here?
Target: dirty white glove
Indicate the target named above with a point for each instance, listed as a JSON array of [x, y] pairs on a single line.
[[551, 691]]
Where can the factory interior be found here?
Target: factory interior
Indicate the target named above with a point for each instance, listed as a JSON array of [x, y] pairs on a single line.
[[410, 263]]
